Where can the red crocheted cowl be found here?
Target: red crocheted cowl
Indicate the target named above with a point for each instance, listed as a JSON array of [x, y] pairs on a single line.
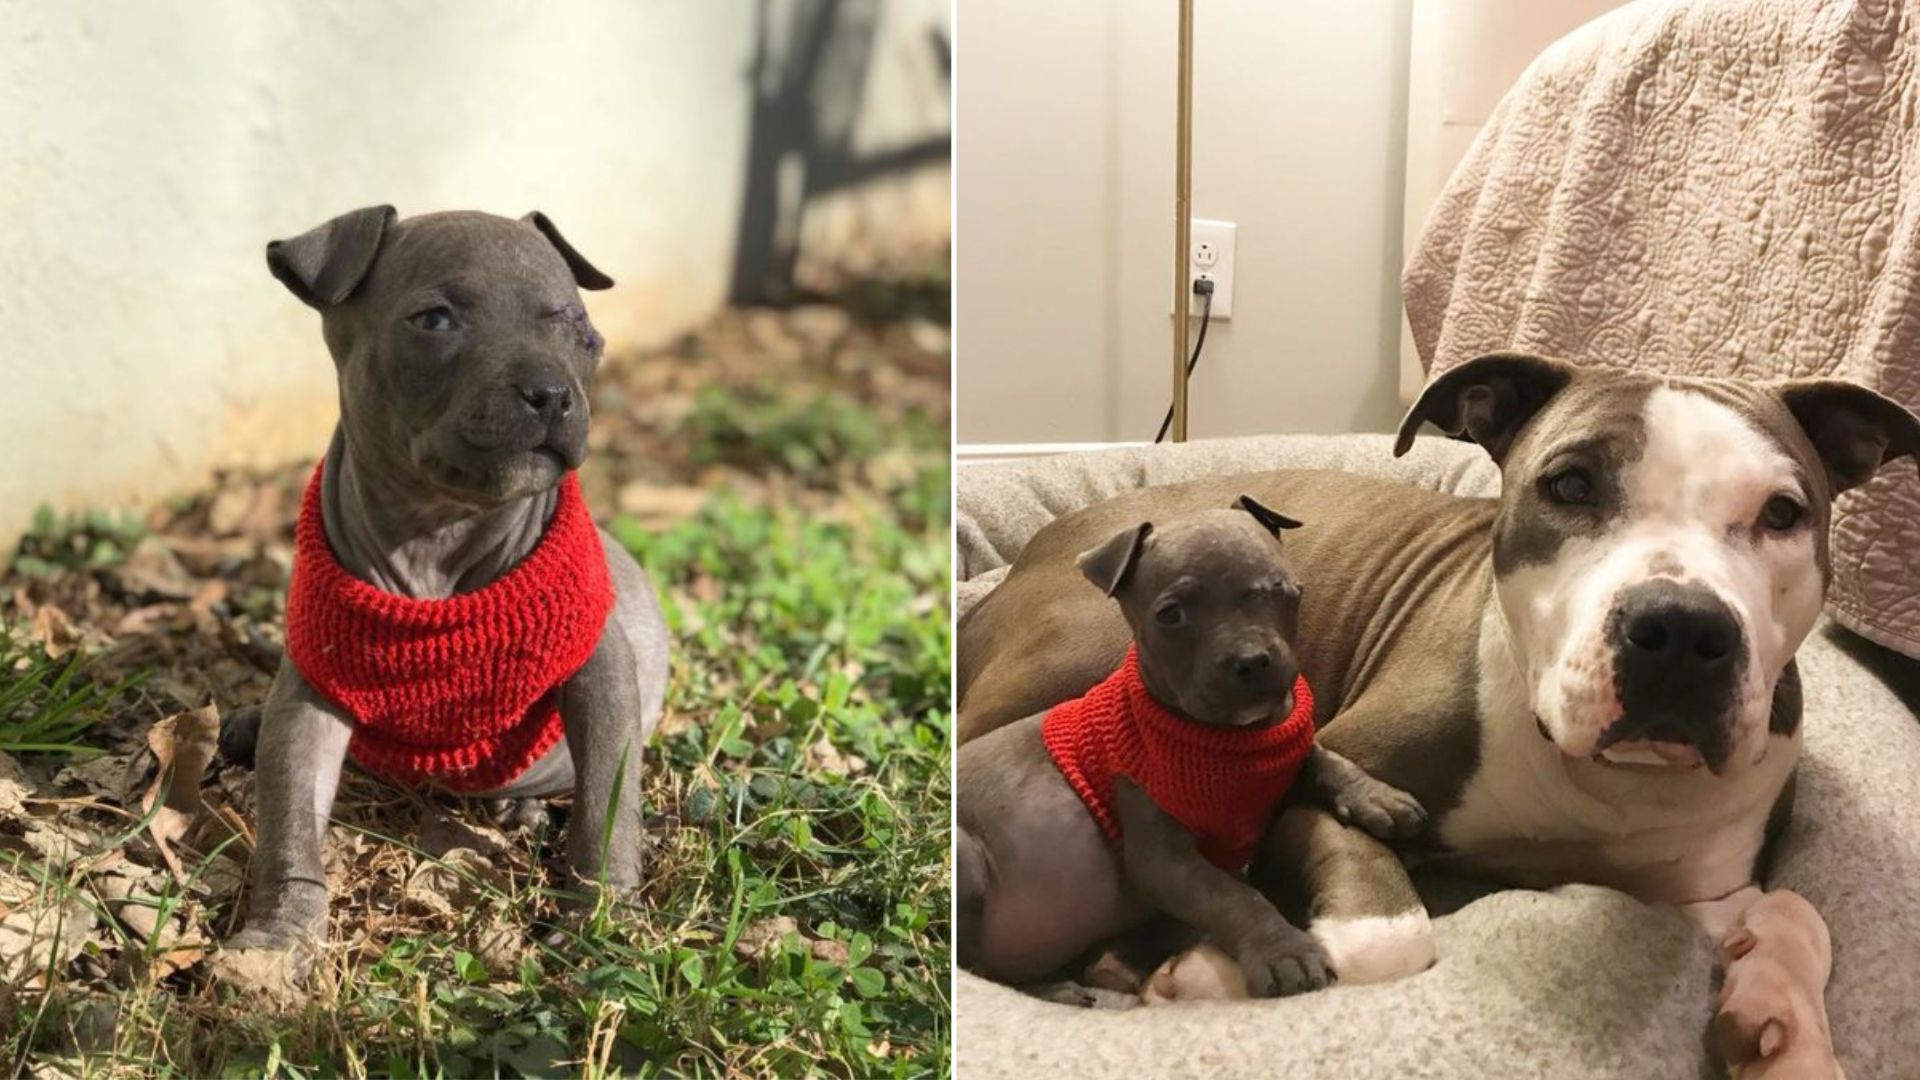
[[1223, 784], [461, 692]]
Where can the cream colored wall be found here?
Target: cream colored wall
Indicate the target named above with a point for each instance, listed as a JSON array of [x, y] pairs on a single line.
[[148, 151], [1064, 115], [1465, 55]]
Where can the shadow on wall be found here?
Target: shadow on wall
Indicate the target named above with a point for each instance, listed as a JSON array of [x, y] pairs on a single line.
[[806, 99]]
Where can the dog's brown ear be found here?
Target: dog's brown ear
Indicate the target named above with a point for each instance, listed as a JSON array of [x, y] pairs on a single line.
[[585, 274], [323, 266], [1855, 429], [1271, 520], [1109, 564], [1488, 399]]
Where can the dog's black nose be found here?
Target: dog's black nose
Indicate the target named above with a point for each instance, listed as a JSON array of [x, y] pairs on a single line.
[[1249, 664], [552, 399], [1676, 626], [1678, 657]]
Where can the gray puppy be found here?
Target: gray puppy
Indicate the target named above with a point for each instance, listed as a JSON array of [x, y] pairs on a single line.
[[463, 355], [1213, 608]]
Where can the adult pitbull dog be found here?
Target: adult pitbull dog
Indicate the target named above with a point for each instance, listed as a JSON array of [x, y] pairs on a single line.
[[463, 355], [1587, 679]]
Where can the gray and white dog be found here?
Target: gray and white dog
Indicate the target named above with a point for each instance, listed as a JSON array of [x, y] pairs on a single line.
[[1589, 678], [463, 355]]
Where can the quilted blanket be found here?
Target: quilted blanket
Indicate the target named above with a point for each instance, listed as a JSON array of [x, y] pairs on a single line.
[[1708, 187]]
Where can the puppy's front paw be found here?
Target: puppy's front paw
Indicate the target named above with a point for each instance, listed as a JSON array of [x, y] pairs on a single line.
[[513, 814], [240, 736], [1384, 811], [1281, 960]]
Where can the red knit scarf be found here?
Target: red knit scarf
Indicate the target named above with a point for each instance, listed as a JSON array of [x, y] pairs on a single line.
[[459, 692], [1223, 784]]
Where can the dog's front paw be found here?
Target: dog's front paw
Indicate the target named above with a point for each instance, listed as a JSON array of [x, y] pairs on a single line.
[[1282, 959], [1202, 973], [1384, 811]]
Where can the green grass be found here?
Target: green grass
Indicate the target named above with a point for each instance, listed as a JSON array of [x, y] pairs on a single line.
[[801, 773], [47, 705], [804, 435], [90, 538]]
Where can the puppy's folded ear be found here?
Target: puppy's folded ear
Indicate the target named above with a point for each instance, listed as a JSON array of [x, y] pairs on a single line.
[[1271, 520], [1108, 565], [323, 266], [584, 273], [1488, 399], [1854, 429]]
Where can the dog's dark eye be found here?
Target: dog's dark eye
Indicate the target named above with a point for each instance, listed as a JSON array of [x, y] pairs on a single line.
[[1570, 487], [1782, 514], [433, 319], [1170, 615]]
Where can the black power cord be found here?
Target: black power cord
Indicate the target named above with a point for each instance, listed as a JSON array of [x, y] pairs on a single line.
[[1202, 287]]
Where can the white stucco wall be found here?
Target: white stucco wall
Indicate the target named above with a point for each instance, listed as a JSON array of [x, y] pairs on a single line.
[[148, 151]]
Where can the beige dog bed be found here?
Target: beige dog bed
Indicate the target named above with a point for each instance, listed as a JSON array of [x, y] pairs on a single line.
[[1576, 982]]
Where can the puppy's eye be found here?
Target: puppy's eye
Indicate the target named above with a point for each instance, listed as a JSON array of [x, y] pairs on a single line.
[[433, 320], [1571, 486], [1782, 514], [1170, 615]]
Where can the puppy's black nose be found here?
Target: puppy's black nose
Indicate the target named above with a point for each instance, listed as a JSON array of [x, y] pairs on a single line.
[[1678, 628], [551, 398], [1249, 664]]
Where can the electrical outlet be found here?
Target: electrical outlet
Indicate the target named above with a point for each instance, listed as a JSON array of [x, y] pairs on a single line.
[[1211, 257]]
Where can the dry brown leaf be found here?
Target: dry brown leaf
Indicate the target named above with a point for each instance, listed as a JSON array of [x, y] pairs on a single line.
[[60, 839], [144, 620], [659, 504], [171, 945], [824, 756], [501, 947], [153, 571], [761, 938], [227, 514], [109, 775], [453, 883], [183, 745], [274, 975], [38, 930], [54, 630], [15, 787], [209, 593], [221, 877], [441, 833]]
